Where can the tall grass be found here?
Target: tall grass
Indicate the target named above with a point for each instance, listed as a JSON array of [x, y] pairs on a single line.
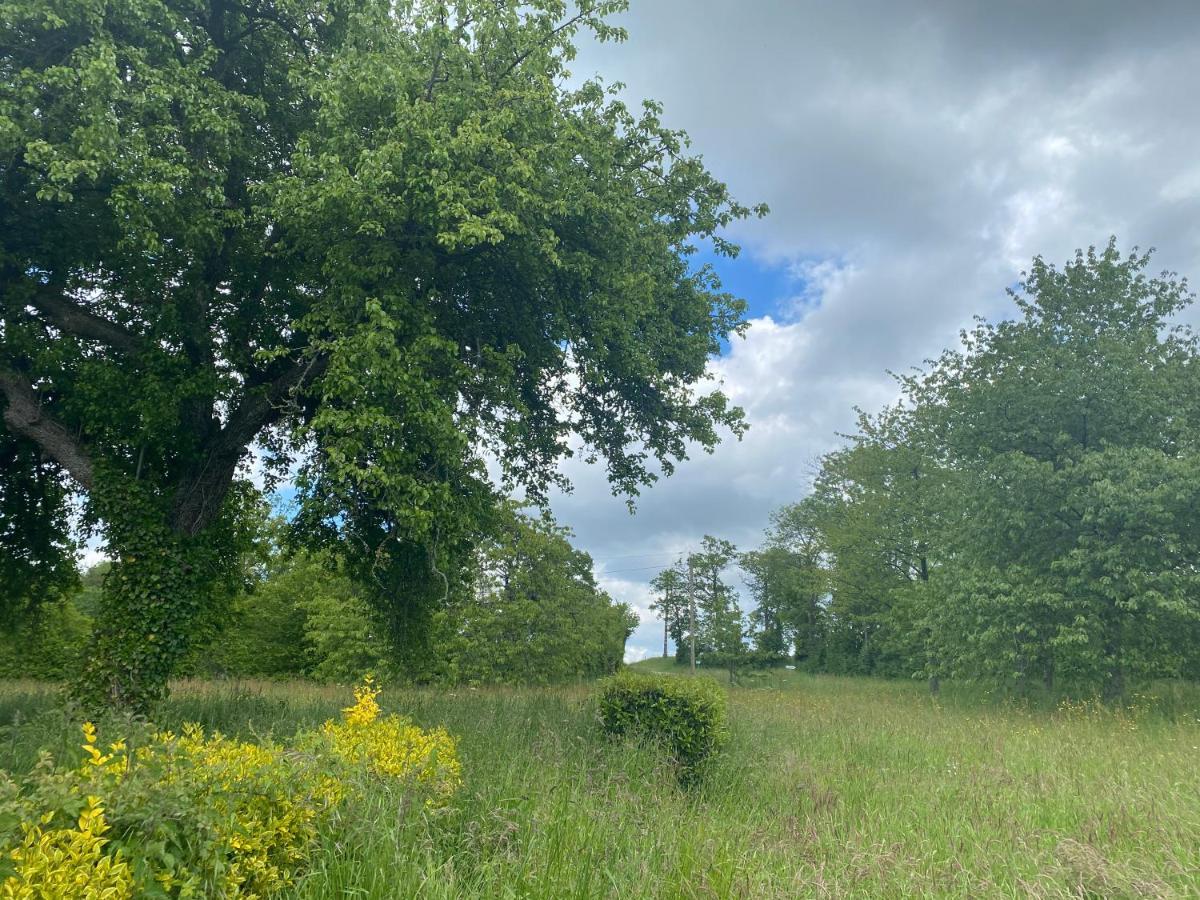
[[830, 787]]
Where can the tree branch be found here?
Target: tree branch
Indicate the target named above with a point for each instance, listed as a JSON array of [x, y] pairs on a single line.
[[23, 414], [200, 497], [260, 407], [74, 319], [546, 41]]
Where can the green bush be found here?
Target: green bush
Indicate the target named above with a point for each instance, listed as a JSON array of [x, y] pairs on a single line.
[[47, 644], [686, 715]]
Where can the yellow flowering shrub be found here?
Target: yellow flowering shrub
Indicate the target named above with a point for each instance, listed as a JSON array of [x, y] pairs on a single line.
[[392, 747], [67, 862], [195, 815], [267, 806]]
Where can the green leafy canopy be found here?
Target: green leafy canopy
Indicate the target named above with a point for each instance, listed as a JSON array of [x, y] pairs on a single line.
[[376, 239]]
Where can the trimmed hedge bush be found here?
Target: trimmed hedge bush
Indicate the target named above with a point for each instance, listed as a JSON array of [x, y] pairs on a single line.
[[686, 715]]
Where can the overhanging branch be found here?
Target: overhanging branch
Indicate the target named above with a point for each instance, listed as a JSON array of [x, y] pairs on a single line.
[[75, 319]]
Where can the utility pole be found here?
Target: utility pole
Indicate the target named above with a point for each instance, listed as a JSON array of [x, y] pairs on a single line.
[[692, 608]]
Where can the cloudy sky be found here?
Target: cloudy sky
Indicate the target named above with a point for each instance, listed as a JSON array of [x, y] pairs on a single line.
[[915, 156]]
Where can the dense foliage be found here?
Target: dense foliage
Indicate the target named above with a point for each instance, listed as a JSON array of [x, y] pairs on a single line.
[[531, 613], [370, 239], [687, 716], [302, 616], [534, 613], [1025, 515], [36, 551]]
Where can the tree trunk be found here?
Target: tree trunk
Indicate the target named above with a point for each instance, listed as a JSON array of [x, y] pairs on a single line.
[[164, 587], [1114, 682], [1114, 685]]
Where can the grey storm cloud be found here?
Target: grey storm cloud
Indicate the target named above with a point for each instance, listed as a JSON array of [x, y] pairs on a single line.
[[915, 157]]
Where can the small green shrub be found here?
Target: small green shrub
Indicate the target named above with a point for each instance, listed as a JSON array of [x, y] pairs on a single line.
[[686, 715]]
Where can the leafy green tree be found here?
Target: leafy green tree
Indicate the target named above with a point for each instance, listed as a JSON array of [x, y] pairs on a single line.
[[769, 574], [671, 603], [304, 618], [871, 505], [345, 635], [535, 615], [369, 238], [300, 614], [1023, 515], [798, 574], [720, 623], [788, 580], [1073, 430]]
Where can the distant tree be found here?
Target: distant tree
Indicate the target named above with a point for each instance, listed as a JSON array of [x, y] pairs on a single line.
[[671, 603], [798, 569], [345, 634], [720, 626], [768, 574], [534, 614], [300, 614], [46, 638], [45, 642], [370, 239]]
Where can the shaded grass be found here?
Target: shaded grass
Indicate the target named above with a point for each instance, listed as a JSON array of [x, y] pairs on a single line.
[[831, 787]]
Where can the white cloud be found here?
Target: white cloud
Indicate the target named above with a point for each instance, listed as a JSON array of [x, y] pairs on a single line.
[[915, 157], [635, 653], [90, 555]]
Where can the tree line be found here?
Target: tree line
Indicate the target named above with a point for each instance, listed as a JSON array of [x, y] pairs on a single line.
[[1026, 513], [532, 615]]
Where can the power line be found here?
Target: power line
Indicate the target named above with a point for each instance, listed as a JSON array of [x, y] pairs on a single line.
[[658, 553], [604, 571]]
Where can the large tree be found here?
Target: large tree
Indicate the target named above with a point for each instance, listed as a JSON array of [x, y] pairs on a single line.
[[1073, 433], [371, 239], [1026, 514]]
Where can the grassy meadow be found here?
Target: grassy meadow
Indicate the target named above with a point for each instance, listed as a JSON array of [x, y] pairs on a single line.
[[829, 787]]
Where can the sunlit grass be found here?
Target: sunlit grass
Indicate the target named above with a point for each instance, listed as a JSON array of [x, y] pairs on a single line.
[[830, 787]]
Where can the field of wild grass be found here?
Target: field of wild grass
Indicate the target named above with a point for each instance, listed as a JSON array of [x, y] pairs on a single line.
[[829, 787]]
